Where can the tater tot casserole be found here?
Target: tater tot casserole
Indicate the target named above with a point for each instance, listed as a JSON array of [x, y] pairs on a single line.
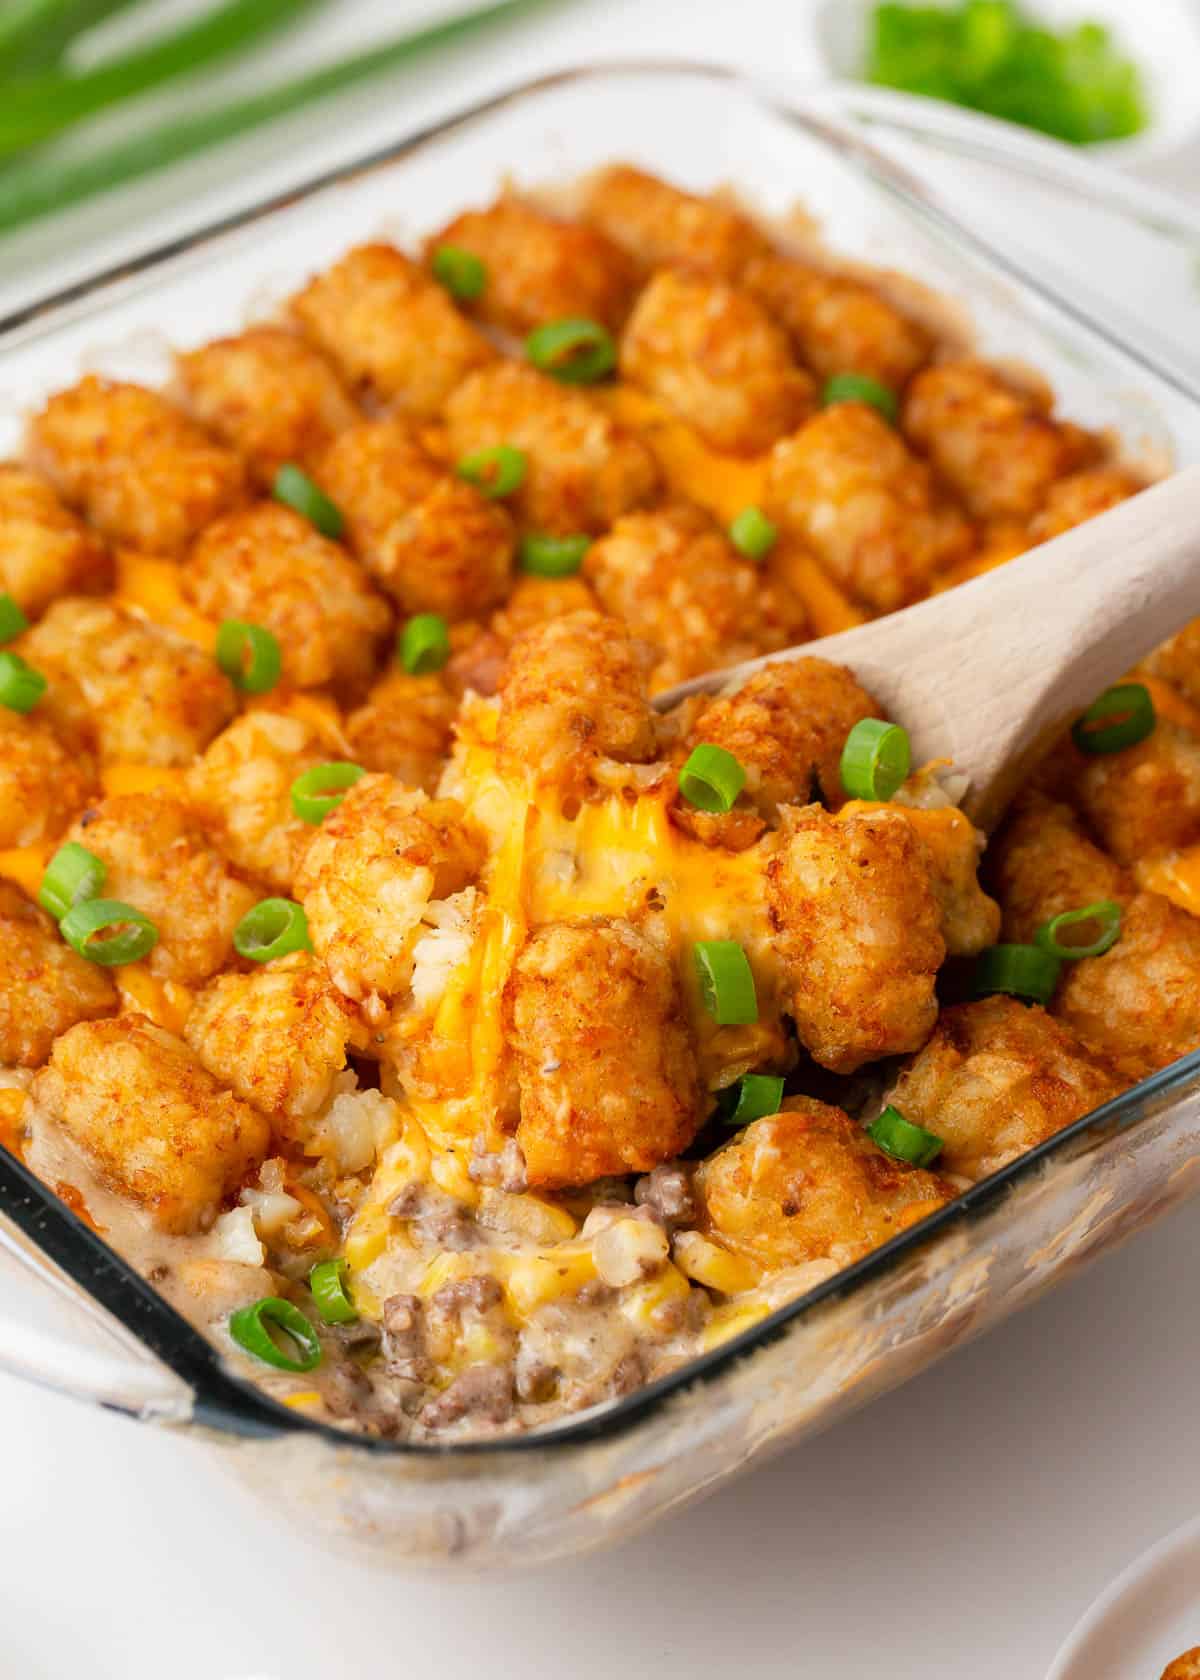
[[457, 1037]]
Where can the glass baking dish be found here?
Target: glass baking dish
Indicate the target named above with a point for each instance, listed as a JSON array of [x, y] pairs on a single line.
[[883, 195]]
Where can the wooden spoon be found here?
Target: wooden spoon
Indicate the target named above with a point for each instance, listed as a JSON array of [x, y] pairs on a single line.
[[990, 674]]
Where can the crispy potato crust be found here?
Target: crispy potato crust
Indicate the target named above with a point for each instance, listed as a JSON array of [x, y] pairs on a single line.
[[605, 1064], [839, 325], [142, 472], [1041, 863], [998, 1078], [1145, 799], [157, 1126], [809, 1184], [42, 785], [47, 988], [856, 927], [404, 728], [45, 550], [660, 225], [1081, 496], [1178, 662]]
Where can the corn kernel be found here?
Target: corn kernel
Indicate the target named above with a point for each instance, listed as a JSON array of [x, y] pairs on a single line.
[[643, 1303], [628, 1250], [707, 1263], [525, 1216], [533, 1279], [730, 1320]]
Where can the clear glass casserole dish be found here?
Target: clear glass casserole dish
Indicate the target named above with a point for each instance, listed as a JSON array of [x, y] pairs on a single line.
[[593, 1478]]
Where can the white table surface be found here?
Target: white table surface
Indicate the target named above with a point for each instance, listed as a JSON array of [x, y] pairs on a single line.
[[957, 1528]]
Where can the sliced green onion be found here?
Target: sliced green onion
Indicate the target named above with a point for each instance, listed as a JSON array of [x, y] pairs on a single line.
[[754, 1095], [711, 779], [85, 927], [752, 533], [12, 619], [576, 351], [327, 1280], [274, 928], [906, 1141], [21, 687], [1104, 916], [875, 760], [461, 272], [548, 556], [726, 982], [296, 490], [495, 472], [859, 387], [250, 1329], [1120, 718], [248, 655], [321, 789], [424, 644], [1023, 971], [72, 875]]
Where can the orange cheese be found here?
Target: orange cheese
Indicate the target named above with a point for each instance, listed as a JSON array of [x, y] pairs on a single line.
[[12, 1109], [153, 588], [165, 1002], [26, 865], [117, 779]]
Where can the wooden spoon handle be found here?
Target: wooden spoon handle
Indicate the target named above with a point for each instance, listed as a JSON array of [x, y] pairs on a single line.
[[990, 673]]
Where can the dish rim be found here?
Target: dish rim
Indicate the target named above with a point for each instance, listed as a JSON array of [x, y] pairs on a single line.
[[222, 1399]]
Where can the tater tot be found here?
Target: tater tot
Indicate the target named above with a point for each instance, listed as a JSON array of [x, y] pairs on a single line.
[[269, 566], [676, 581], [537, 600], [392, 332], [156, 858], [837, 324], [42, 784], [540, 267], [268, 395], [846, 485], [583, 470], [149, 696], [369, 873], [659, 225], [809, 1184], [604, 1060], [952, 847], [856, 927], [241, 790], [1079, 497], [158, 1127], [142, 472], [786, 726], [991, 441], [1178, 662], [1041, 863], [47, 988], [432, 541], [45, 550], [404, 727], [276, 1037], [712, 353], [1145, 799], [996, 1079], [574, 691]]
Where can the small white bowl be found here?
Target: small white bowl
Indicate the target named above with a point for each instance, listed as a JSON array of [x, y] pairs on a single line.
[[1148, 1616], [1163, 36]]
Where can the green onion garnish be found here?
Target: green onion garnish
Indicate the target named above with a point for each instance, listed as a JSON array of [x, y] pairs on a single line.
[[327, 1280], [248, 655], [320, 790], [906, 1141], [1104, 916], [72, 875], [726, 982], [424, 644], [461, 272], [274, 928], [575, 351], [752, 533], [21, 687], [711, 779], [296, 490], [250, 1329], [86, 929], [754, 1095], [547, 556], [1023, 971], [860, 387], [1120, 718], [12, 619], [875, 760], [495, 472]]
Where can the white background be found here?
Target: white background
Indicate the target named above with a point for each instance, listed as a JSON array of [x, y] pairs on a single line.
[[955, 1529]]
